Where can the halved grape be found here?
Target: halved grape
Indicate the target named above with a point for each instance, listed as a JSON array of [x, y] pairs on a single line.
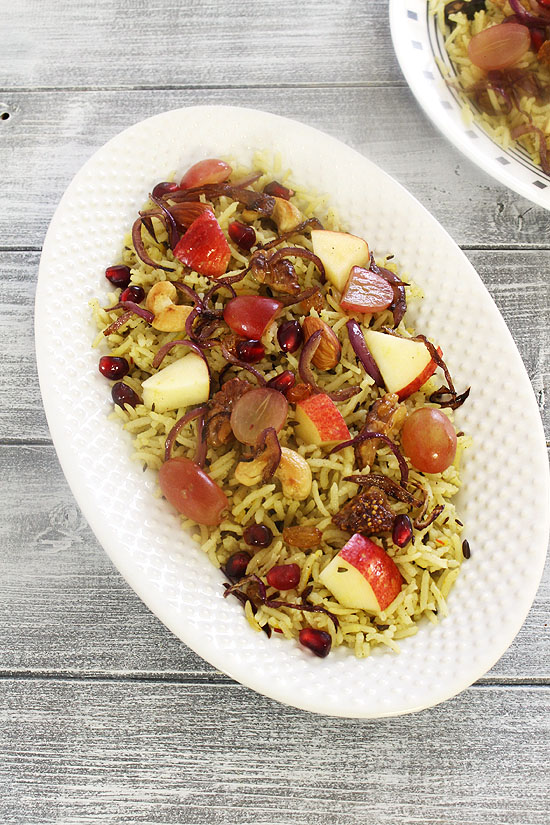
[[257, 410], [191, 491], [249, 315], [210, 170], [499, 47], [429, 440], [366, 291]]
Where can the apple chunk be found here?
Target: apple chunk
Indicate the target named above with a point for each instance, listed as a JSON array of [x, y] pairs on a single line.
[[320, 421], [363, 576], [339, 252], [184, 382], [405, 365]]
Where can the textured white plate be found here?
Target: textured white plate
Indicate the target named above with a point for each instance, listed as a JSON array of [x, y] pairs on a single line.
[[505, 499], [417, 41]]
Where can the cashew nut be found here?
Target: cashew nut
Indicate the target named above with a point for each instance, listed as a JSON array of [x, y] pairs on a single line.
[[161, 301], [250, 473], [286, 215], [294, 474]]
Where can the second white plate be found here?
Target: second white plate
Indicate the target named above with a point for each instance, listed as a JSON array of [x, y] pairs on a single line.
[[417, 42]]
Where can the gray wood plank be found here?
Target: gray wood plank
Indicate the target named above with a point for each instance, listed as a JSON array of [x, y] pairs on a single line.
[[49, 135], [111, 43], [64, 609], [81, 752], [517, 280]]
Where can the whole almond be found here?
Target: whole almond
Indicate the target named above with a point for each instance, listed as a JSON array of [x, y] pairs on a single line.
[[329, 350]]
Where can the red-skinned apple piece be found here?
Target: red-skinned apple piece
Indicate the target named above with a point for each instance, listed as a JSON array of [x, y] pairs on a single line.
[[405, 365], [363, 576], [320, 421]]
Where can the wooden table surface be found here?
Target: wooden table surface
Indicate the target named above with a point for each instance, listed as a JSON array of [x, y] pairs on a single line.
[[105, 717]]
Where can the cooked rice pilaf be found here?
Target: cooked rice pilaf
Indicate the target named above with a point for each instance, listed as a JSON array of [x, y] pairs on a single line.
[[429, 566]]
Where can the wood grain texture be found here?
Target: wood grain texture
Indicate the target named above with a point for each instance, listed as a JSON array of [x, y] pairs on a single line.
[[89, 752], [67, 44], [49, 135], [64, 609], [517, 280], [105, 717]]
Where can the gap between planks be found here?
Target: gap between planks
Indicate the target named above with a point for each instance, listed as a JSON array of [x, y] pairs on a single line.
[[215, 678]]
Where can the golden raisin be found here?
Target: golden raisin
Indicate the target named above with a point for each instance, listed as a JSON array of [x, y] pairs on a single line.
[[299, 392], [315, 301], [305, 537], [543, 53]]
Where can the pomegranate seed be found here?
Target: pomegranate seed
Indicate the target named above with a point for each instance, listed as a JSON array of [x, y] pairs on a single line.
[[250, 351], [113, 367], [258, 535], [164, 187], [235, 566], [290, 336], [282, 382], [402, 530], [123, 394], [118, 275], [283, 576], [318, 641], [133, 293], [241, 234], [278, 190]]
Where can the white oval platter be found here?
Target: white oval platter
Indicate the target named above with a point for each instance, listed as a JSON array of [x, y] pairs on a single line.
[[504, 502]]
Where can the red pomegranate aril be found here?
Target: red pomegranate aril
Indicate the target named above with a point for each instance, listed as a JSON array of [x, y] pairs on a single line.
[[258, 535], [241, 234], [282, 382], [164, 188], [134, 293], [318, 641], [250, 351], [278, 190], [113, 367], [290, 336], [119, 275], [283, 576], [122, 394], [402, 530], [538, 36], [235, 566]]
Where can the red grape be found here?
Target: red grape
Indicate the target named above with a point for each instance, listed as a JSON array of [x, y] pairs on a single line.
[[191, 491], [366, 291], [499, 47], [210, 170], [255, 411], [249, 315], [429, 440]]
